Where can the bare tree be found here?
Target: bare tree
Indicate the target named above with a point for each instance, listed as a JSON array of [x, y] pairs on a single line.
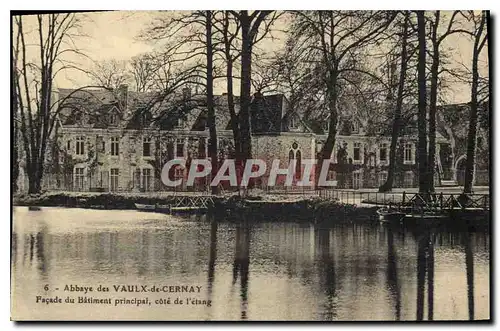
[[397, 122], [33, 82], [142, 70], [189, 40], [333, 39], [423, 170], [436, 69], [111, 73], [480, 37], [228, 29], [250, 29], [212, 146]]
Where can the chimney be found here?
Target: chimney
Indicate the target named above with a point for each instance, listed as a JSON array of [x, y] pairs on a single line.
[[122, 95]]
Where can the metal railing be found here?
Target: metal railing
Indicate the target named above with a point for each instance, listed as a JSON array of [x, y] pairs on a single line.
[[433, 200]]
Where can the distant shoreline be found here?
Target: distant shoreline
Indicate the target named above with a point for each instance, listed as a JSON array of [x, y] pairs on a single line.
[[234, 208]]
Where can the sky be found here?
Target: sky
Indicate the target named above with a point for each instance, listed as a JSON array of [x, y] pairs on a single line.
[[113, 35]]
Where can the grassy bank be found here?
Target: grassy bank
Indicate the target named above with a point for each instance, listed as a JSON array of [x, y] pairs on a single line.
[[91, 200], [234, 208]]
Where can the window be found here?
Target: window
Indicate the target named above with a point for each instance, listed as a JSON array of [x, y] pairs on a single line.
[[355, 127], [146, 146], [201, 149], [178, 121], [383, 153], [408, 153], [115, 146], [146, 116], [293, 122], [146, 179], [114, 174], [356, 180], [408, 179], [113, 119], [298, 165], [178, 172], [103, 146], [80, 145], [357, 151], [131, 144], [180, 149], [79, 178], [68, 146], [382, 178]]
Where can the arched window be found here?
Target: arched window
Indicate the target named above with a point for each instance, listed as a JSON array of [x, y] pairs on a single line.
[[298, 166], [291, 155]]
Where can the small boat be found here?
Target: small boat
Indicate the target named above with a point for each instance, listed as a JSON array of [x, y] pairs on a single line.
[[144, 207], [388, 215], [34, 208], [427, 216], [163, 208]]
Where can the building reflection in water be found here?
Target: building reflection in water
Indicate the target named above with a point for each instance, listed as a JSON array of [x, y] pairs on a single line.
[[344, 272], [241, 264]]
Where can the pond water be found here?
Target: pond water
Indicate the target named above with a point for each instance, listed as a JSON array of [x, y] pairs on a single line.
[[225, 271]]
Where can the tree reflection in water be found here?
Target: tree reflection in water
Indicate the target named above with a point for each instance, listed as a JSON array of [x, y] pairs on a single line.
[[392, 274], [326, 272], [241, 264], [425, 266], [469, 267], [211, 258]]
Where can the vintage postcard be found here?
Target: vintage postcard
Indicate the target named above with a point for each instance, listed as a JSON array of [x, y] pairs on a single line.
[[250, 165]]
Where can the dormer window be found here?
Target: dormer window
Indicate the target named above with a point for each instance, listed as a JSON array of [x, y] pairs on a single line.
[[146, 117], [355, 127], [178, 122], [293, 122], [113, 119]]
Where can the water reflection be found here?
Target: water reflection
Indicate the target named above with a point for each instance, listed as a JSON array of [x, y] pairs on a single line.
[[392, 274], [241, 264], [469, 267], [326, 271], [252, 271]]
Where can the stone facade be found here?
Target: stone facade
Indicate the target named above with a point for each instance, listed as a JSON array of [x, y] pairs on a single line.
[[122, 150]]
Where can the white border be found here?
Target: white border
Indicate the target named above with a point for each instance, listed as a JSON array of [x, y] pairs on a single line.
[[5, 323]]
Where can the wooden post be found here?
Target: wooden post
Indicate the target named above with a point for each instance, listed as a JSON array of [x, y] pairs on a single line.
[[404, 198]]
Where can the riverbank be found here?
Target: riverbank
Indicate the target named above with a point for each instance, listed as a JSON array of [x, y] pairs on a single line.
[[262, 208], [232, 207]]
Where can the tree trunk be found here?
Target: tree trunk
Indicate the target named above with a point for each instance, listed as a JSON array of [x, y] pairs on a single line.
[[327, 149], [396, 124], [246, 76], [15, 143], [212, 143], [422, 106], [234, 118], [230, 99], [471, 137], [432, 105]]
